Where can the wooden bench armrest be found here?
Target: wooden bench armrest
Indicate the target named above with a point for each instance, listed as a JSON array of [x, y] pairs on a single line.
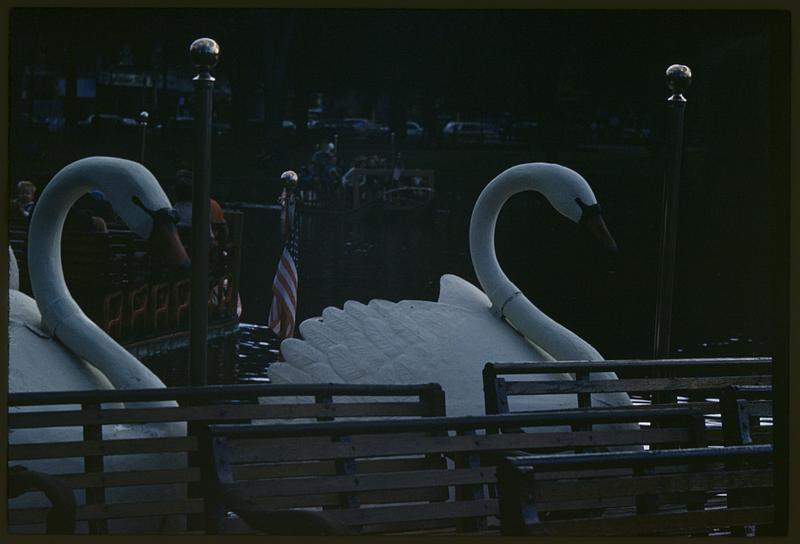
[[61, 515], [281, 522]]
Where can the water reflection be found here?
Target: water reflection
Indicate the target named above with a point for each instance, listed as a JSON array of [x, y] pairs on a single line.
[[241, 357]]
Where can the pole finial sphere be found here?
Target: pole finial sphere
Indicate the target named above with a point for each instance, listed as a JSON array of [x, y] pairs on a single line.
[[679, 77], [289, 179], [204, 53]]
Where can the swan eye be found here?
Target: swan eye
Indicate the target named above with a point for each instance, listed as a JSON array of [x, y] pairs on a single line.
[[162, 215], [594, 208], [138, 202]]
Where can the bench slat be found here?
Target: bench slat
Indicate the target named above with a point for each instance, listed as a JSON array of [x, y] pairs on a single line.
[[91, 512], [277, 450], [131, 478], [18, 452], [631, 385], [327, 468], [365, 482], [220, 413], [444, 510], [367, 498], [699, 366], [666, 483], [654, 523]]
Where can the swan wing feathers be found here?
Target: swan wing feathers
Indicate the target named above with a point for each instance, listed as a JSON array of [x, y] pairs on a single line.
[[459, 292], [405, 342]]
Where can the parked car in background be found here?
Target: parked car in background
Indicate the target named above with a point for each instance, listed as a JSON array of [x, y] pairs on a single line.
[[414, 130], [108, 120], [470, 132], [522, 131], [350, 127]]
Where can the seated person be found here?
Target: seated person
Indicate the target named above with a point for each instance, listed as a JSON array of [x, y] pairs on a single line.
[[182, 203], [22, 204], [90, 213]]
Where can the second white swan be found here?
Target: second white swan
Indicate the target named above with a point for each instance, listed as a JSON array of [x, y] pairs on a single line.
[[449, 341]]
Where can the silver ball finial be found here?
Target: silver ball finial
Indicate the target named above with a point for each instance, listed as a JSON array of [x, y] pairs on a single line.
[[204, 53], [289, 179], [679, 77], [143, 116]]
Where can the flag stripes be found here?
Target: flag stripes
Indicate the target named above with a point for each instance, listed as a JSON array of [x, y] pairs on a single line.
[[283, 309]]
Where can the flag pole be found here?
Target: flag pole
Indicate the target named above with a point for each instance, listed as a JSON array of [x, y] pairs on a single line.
[[283, 309]]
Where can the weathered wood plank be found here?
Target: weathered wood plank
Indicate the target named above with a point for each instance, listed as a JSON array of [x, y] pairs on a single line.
[[655, 523], [216, 392], [107, 511], [736, 365], [328, 468], [444, 510], [368, 498], [279, 450], [131, 478], [221, 413], [664, 483], [17, 452], [280, 487], [631, 385]]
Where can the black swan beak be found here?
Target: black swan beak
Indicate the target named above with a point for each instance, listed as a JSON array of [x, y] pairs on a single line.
[[592, 221], [166, 243]]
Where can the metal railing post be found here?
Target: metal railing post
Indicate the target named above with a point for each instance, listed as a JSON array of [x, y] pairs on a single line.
[[679, 77], [142, 134], [204, 53]]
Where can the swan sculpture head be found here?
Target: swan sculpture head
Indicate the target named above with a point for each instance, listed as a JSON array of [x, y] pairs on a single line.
[[566, 190], [571, 196], [138, 199]]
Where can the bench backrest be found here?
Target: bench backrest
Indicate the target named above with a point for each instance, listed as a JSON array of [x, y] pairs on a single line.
[[94, 461], [688, 491], [410, 475], [746, 414], [696, 382]]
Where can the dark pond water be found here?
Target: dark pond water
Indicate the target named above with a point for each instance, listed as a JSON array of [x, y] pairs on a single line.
[[721, 288]]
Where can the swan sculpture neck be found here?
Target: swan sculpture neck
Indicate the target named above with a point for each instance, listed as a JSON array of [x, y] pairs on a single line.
[[506, 298], [61, 315]]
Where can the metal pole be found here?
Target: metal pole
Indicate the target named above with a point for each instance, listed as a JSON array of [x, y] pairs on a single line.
[[679, 77], [204, 54], [142, 133], [391, 157]]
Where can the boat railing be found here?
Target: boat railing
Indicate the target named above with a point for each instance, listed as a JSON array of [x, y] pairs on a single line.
[[131, 296], [382, 184]]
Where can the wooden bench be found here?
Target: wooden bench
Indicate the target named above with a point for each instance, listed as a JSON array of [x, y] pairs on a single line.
[[694, 382], [401, 476], [92, 464], [746, 414], [658, 486]]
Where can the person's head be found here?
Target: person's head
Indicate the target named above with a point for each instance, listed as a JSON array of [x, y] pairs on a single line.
[[183, 185], [25, 192]]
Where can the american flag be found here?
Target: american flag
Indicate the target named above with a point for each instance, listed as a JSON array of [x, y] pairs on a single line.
[[284, 286]]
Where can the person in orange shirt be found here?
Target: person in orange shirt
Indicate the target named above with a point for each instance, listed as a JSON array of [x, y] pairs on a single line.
[[182, 202]]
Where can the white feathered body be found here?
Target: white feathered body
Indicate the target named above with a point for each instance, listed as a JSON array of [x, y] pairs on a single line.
[[412, 341]]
